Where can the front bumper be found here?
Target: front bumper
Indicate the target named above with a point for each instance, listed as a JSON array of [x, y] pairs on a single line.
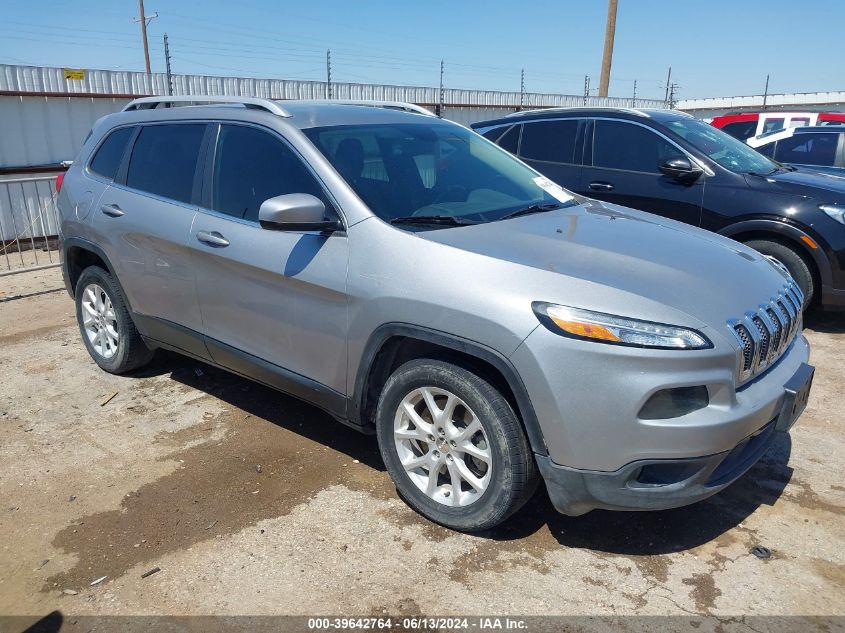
[[652, 484]]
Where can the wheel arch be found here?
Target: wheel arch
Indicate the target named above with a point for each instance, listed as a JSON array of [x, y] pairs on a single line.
[[77, 255], [396, 343], [788, 235]]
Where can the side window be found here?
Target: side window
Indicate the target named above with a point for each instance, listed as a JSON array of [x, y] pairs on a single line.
[[552, 141], [741, 129], [164, 160], [107, 159], [509, 141], [808, 149], [768, 149], [772, 125], [799, 122], [620, 145], [251, 166], [494, 134]]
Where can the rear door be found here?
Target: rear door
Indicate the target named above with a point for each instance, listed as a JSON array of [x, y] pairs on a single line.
[[553, 147], [622, 167], [270, 299], [144, 220]]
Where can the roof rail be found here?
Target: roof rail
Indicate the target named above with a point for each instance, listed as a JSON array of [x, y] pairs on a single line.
[[633, 111], [149, 103], [390, 105]]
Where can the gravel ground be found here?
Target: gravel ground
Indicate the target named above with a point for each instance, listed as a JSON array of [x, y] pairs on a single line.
[[166, 474]]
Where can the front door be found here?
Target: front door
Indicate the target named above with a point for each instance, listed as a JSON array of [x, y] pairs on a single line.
[[621, 166], [273, 302]]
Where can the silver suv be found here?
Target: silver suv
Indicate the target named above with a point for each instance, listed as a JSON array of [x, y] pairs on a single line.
[[417, 282]]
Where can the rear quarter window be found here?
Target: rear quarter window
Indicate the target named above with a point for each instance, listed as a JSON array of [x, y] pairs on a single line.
[[109, 155], [552, 141]]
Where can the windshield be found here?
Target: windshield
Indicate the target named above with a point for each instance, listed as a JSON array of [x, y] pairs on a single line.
[[723, 148], [433, 169]]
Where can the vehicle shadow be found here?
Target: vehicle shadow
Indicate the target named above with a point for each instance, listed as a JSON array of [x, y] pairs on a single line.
[[828, 322], [624, 533], [660, 532], [263, 402]]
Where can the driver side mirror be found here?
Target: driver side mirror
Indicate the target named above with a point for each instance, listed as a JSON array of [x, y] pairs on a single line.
[[296, 212], [680, 168]]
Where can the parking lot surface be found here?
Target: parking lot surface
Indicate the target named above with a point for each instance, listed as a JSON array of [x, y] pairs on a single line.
[[251, 502]]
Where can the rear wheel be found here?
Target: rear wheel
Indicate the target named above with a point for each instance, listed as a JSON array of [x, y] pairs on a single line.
[[106, 326], [793, 261], [453, 446]]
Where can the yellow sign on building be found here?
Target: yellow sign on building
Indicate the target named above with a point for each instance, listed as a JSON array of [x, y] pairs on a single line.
[[75, 73]]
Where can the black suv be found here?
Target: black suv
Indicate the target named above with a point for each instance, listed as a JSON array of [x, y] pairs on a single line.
[[674, 165]]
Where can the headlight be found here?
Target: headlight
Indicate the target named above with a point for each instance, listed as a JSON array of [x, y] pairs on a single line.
[[835, 211], [617, 330]]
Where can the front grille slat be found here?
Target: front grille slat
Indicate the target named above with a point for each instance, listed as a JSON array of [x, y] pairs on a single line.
[[764, 334]]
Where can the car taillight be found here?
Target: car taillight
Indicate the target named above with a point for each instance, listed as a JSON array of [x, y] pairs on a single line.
[[59, 180]]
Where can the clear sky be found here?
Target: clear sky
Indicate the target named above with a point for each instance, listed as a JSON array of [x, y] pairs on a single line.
[[715, 47]]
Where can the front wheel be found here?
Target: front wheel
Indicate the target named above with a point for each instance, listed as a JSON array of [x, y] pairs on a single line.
[[453, 446], [792, 261]]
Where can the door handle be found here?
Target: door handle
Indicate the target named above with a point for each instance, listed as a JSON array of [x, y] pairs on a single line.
[[600, 186], [111, 210], [212, 238]]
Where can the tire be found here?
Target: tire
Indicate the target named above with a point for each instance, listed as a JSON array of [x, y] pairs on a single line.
[[120, 349], [509, 471], [794, 263]]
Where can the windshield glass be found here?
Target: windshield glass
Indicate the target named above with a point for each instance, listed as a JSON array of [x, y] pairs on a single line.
[[433, 169], [723, 148]]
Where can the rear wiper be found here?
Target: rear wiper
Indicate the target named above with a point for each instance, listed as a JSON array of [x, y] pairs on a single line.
[[532, 208], [445, 220]]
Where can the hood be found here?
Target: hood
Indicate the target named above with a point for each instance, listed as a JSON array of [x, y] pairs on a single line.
[[824, 187], [706, 276]]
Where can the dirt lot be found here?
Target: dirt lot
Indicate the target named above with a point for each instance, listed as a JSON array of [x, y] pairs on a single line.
[[166, 474]]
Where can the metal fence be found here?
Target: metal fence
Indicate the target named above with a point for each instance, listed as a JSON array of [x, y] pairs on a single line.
[[29, 224]]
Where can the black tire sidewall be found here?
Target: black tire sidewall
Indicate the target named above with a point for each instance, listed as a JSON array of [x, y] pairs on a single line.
[[793, 261], [503, 495], [125, 330]]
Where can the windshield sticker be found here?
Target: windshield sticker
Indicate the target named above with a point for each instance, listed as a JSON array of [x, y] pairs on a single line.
[[556, 191]]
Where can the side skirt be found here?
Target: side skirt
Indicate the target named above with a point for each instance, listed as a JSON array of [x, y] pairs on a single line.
[[167, 335]]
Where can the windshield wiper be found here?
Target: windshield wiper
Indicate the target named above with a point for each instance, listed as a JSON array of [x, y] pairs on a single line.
[[445, 220], [532, 208]]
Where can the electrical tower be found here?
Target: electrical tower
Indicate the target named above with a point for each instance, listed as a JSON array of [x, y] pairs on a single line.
[[522, 89], [328, 74], [167, 65]]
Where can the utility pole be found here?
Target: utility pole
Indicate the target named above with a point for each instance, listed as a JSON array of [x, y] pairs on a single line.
[[328, 74], [607, 58], [441, 98], [521, 90], [167, 65], [672, 88], [634, 98], [586, 88], [144, 20], [766, 93], [668, 79]]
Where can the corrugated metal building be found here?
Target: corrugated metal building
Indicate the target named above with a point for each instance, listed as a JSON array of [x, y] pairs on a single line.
[[46, 112], [44, 116]]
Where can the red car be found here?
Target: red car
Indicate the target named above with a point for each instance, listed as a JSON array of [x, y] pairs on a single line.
[[748, 124]]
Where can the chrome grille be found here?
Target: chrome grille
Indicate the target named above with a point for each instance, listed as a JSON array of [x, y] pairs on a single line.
[[765, 333]]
